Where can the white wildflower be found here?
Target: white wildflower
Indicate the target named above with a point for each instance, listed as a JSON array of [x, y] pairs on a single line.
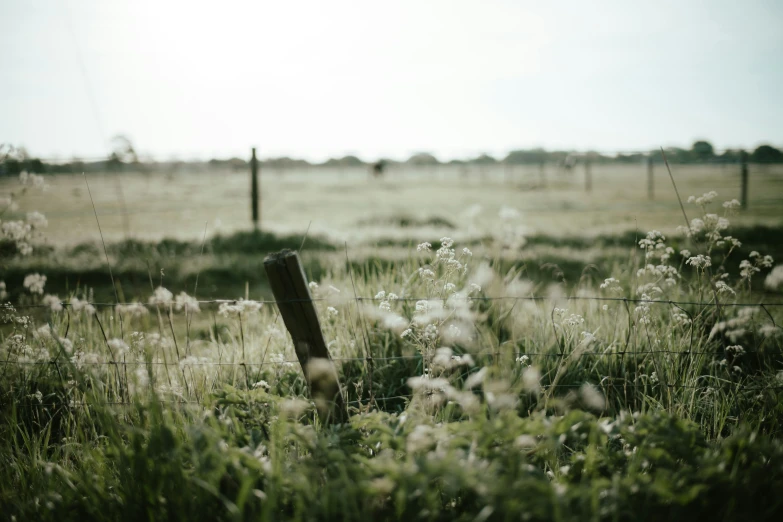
[[34, 283], [53, 302], [592, 397], [612, 286], [508, 213], [161, 296], [531, 379], [446, 242], [187, 303], [37, 220], [474, 379], [773, 281], [132, 309], [699, 261], [118, 346], [724, 289]]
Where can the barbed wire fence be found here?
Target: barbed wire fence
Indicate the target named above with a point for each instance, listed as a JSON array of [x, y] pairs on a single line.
[[607, 383], [528, 174]]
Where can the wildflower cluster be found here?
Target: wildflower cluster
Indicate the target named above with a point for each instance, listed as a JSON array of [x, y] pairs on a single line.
[[753, 265], [446, 315], [238, 308], [22, 232], [656, 277]]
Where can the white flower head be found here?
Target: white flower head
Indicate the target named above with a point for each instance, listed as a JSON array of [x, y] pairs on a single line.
[[53, 302], [161, 296], [446, 242], [34, 283], [187, 303]]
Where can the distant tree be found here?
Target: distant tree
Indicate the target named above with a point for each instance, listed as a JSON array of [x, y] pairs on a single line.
[[284, 163], [532, 156], [766, 154], [35, 165], [702, 151], [14, 160], [678, 155], [422, 159], [346, 161], [595, 157], [729, 156], [484, 159], [351, 161], [122, 152], [630, 158]]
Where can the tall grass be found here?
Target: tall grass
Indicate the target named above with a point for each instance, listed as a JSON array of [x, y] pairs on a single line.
[[479, 389]]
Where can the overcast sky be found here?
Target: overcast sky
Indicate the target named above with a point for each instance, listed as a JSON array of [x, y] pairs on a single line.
[[316, 79]]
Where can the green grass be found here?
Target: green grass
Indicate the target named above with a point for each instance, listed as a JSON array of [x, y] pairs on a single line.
[[653, 415]]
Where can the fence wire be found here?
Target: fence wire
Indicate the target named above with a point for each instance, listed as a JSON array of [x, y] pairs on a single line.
[[606, 384], [340, 300]]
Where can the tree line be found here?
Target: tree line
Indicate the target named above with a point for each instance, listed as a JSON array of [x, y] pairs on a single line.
[[14, 160]]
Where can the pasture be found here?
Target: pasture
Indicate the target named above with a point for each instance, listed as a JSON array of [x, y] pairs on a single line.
[[507, 349], [349, 205]]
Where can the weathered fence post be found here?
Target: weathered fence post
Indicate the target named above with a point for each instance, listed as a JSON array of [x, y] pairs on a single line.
[[744, 176], [588, 176], [650, 179], [287, 280], [254, 188]]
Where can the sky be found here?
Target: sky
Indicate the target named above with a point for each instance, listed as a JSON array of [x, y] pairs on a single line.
[[312, 79]]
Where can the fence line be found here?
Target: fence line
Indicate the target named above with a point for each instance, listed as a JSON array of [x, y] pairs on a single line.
[[333, 300]]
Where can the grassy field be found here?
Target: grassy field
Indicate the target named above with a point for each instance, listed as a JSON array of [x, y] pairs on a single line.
[[545, 358], [350, 206]]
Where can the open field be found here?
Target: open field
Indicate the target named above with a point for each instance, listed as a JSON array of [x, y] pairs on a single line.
[[557, 369], [350, 206]]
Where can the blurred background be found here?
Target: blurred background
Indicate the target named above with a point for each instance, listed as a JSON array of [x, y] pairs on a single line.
[[375, 122]]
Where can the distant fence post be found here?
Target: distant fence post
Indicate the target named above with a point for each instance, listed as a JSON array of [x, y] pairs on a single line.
[[744, 178], [254, 188], [588, 176], [650, 179], [287, 280]]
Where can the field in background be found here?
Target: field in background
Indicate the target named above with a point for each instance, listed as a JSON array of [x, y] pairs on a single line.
[[410, 204]]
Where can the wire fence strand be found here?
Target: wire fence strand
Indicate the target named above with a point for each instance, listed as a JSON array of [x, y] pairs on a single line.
[[173, 304]]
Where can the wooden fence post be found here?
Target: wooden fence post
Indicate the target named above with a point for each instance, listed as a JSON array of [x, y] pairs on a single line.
[[287, 280], [254, 188], [744, 179], [588, 176], [650, 179]]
